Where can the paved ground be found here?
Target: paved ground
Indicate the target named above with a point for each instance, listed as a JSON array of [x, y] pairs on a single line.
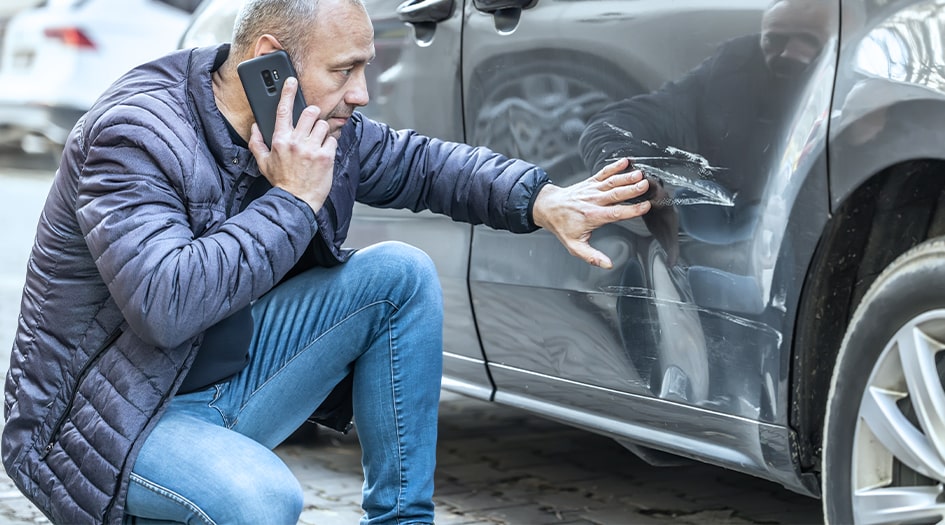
[[496, 465]]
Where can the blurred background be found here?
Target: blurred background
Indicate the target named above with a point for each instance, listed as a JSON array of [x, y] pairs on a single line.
[[58, 56]]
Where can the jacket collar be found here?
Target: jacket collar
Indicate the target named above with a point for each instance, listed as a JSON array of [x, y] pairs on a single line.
[[231, 157]]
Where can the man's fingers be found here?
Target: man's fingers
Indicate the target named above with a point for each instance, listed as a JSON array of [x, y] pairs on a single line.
[[256, 143], [604, 215], [622, 212], [612, 169], [307, 120], [330, 145], [588, 254], [321, 131], [286, 103], [630, 190]]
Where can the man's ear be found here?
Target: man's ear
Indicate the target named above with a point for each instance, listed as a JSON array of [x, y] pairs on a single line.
[[266, 44]]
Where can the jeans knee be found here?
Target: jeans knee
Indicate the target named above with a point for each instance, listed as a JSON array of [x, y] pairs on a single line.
[[260, 497], [408, 267]]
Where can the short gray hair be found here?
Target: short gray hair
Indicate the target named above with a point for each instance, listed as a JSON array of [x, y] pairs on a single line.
[[290, 21]]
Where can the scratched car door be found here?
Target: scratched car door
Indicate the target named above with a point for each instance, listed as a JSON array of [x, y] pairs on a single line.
[[704, 99]]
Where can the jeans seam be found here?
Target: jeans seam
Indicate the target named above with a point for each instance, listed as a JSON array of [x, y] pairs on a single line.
[[303, 349], [395, 386], [218, 393], [173, 496]]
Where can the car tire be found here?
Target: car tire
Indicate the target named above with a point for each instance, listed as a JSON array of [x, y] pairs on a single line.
[[884, 436]]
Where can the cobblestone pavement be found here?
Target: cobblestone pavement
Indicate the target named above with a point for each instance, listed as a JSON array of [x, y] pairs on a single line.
[[499, 466], [496, 465]]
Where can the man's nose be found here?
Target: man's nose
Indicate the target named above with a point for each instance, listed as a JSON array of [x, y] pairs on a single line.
[[358, 94]]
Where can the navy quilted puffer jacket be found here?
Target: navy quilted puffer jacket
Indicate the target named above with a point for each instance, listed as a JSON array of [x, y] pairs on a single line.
[[140, 248]]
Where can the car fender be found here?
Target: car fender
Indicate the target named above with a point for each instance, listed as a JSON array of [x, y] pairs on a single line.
[[889, 101]]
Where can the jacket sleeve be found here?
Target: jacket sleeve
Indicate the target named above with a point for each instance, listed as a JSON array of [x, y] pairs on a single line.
[[403, 169], [132, 209]]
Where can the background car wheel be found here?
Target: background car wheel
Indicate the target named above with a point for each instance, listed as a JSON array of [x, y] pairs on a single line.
[[539, 113], [884, 441]]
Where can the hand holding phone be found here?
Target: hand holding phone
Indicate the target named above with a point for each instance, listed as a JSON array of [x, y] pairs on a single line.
[[301, 161], [263, 78]]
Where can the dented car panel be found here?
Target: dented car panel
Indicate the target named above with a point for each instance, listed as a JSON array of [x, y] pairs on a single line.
[[696, 310], [695, 318]]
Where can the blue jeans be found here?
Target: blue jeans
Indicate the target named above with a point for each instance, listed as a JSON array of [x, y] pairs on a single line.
[[209, 458]]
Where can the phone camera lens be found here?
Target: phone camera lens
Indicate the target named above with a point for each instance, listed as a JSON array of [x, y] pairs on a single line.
[[267, 78]]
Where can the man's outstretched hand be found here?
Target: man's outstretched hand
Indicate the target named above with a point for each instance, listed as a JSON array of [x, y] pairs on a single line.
[[574, 212]]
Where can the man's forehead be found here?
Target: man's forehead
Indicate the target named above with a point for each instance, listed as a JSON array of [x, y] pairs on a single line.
[[344, 45], [342, 18], [798, 15]]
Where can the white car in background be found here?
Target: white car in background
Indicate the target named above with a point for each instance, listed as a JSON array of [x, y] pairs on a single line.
[[11, 7], [58, 57]]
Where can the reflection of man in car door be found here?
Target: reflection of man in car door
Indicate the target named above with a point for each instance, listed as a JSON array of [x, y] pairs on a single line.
[[727, 109], [708, 137]]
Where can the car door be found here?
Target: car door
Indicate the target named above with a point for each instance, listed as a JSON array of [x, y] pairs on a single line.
[[695, 310], [414, 82]]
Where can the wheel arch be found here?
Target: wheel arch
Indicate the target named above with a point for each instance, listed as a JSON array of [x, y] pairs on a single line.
[[886, 158], [891, 211]]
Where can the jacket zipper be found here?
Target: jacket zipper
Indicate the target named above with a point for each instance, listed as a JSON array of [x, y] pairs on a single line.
[[75, 392]]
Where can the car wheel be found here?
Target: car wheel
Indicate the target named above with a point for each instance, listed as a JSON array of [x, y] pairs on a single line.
[[884, 440]]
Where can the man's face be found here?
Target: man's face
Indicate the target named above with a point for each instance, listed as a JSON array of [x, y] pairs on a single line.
[[332, 72], [793, 33]]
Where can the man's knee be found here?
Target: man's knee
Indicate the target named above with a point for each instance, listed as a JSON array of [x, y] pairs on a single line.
[[250, 492], [404, 264], [261, 496], [402, 253]]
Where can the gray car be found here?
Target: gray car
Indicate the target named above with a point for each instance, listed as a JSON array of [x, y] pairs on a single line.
[[781, 310]]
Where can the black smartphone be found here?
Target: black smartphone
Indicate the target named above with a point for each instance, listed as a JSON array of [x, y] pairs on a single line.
[[262, 79]]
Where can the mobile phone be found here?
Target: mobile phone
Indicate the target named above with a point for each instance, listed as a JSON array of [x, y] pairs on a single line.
[[262, 79]]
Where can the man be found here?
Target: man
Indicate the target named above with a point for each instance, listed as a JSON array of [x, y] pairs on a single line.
[[188, 303]]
